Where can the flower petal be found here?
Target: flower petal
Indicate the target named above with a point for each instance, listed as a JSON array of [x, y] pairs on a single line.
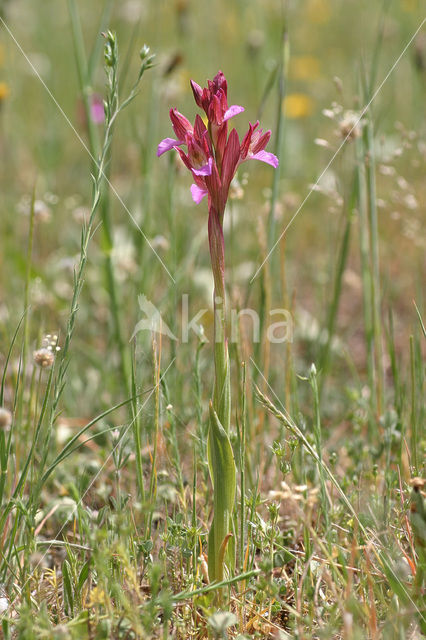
[[205, 170], [167, 144], [197, 193], [232, 111], [246, 142], [199, 127], [215, 110], [267, 157], [186, 161]]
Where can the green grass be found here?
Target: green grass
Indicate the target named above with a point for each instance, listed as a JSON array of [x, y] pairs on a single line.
[[105, 494]]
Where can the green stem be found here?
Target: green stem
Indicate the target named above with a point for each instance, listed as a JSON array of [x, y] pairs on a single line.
[[413, 417], [318, 443], [83, 77], [153, 479], [375, 275], [220, 454], [26, 328], [282, 77], [364, 244], [333, 309], [221, 396], [242, 468]]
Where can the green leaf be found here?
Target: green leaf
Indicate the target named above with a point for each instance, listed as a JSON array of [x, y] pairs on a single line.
[[84, 573], [224, 478], [221, 404], [68, 594]]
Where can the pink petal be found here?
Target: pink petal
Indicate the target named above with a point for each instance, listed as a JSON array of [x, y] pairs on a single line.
[[97, 112], [167, 144], [232, 111], [267, 157], [205, 170], [197, 193]]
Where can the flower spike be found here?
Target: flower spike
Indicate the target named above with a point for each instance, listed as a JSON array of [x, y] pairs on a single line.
[[212, 156]]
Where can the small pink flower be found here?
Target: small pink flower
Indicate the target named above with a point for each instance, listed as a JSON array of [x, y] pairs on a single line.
[[181, 127], [199, 158], [253, 145], [97, 113]]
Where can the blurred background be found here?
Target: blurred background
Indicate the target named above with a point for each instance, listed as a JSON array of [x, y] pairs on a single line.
[[332, 49]]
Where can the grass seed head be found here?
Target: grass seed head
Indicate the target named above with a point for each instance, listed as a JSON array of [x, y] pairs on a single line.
[[42, 212], [44, 358], [350, 126]]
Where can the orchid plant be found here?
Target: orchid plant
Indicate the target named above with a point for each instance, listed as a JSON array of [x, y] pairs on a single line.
[[213, 158]]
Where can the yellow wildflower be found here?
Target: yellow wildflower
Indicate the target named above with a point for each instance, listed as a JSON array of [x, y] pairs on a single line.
[[298, 105], [318, 11], [4, 91], [304, 67], [410, 5], [97, 597], [231, 24]]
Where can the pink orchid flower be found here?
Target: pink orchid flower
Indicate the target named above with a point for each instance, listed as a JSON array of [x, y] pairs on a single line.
[[212, 156], [253, 145], [181, 126]]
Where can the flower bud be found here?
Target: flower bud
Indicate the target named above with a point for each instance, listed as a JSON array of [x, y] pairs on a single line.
[[110, 49], [144, 52]]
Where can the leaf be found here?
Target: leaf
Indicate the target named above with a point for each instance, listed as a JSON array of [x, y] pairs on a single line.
[[224, 478], [222, 403], [223, 463], [84, 573], [68, 595]]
